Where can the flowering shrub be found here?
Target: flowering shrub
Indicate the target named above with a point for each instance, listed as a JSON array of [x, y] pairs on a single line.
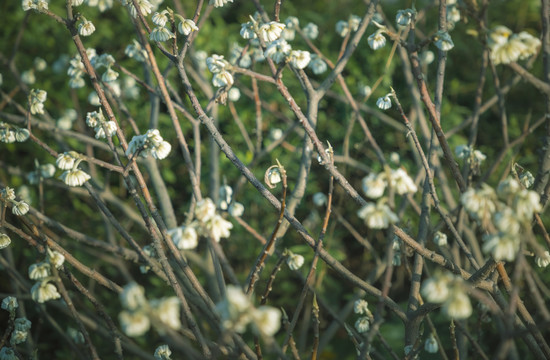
[[405, 179]]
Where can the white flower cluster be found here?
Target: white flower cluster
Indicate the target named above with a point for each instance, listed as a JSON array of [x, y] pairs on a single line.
[[299, 59], [40, 172], [404, 17], [145, 7], [237, 312], [7, 196], [379, 215], [239, 57], [102, 128], [151, 143], [526, 179], [220, 68], [5, 240], [343, 27], [28, 76], [294, 261], [510, 208], [543, 260], [471, 156], [449, 290], [207, 223], [86, 27], [431, 345], [278, 51], [384, 103], [139, 314], [37, 98], [73, 176], [377, 40], [21, 326], [361, 307], [39, 5], [136, 51], [440, 239], [186, 26], [507, 47], [162, 352], [65, 121], [268, 32], [453, 14], [226, 202], [161, 32], [218, 3], [443, 41], [275, 36], [107, 61], [102, 5], [43, 290], [10, 133], [9, 303], [76, 69]]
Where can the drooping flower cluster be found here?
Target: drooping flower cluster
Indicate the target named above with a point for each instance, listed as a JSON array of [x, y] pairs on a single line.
[[220, 68], [384, 103], [507, 47], [227, 203], [139, 314], [101, 126], [65, 121], [37, 98], [443, 41], [107, 61], [161, 32], [28, 76], [237, 312], [86, 27], [102, 5], [145, 7], [472, 157], [404, 17], [43, 290], [361, 307], [136, 51], [39, 5], [453, 14], [379, 215], [7, 196], [162, 352], [377, 40], [151, 143], [73, 176], [278, 50], [440, 239], [186, 26], [40, 172], [76, 69], [11, 133], [219, 3], [431, 345], [317, 64], [510, 209], [294, 261], [207, 223], [21, 326], [270, 31], [445, 288], [299, 58], [343, 27], [275, 36]]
